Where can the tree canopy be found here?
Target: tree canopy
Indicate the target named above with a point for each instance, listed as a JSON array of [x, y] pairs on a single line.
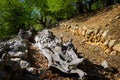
[[16, 14]]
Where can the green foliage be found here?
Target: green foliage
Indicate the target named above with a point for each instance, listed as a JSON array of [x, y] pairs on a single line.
[[98, 4], [102, 3], [38, 27], [16, 14], [61, 9], [55, 5], [95, 6]]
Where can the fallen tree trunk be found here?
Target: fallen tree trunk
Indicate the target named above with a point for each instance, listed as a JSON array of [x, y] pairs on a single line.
[[59, 55]]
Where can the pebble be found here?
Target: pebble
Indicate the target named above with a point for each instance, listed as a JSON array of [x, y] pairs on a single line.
[[89, 31], [84, 32], [87, 36], [24, 64], [100, 33], [79, 31], [84, 40], [111, 43], [117, 17], [105, 33], [106, 42], [108, 50], [116, 47], [104, 64], [96, 31], [113, 53]]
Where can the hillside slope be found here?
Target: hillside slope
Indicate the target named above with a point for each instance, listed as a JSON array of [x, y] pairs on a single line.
[[107, 19]]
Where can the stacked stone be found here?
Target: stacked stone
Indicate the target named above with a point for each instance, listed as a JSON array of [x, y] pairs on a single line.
[[102, 38], [59, 55], [94, 36], [97, 36], [71, 27], [65, 26]]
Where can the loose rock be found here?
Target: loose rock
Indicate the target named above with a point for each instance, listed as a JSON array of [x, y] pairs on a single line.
[[111, 43], [104, 64], [116, 47], [113, 53], [105, 33], [106, 42], [24, 64]]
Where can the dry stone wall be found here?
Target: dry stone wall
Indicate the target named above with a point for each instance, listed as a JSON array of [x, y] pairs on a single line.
[[93, 36]]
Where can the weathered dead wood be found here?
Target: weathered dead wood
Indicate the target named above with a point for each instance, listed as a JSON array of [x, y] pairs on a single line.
[[59, 55]]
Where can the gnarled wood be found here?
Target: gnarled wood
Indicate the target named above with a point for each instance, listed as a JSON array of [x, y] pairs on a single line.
[[59, 55]]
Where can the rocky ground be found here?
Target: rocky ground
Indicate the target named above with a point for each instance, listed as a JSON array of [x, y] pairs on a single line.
[[107, 19]]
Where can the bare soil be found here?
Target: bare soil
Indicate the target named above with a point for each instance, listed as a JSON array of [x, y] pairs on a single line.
[[108, 18]]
